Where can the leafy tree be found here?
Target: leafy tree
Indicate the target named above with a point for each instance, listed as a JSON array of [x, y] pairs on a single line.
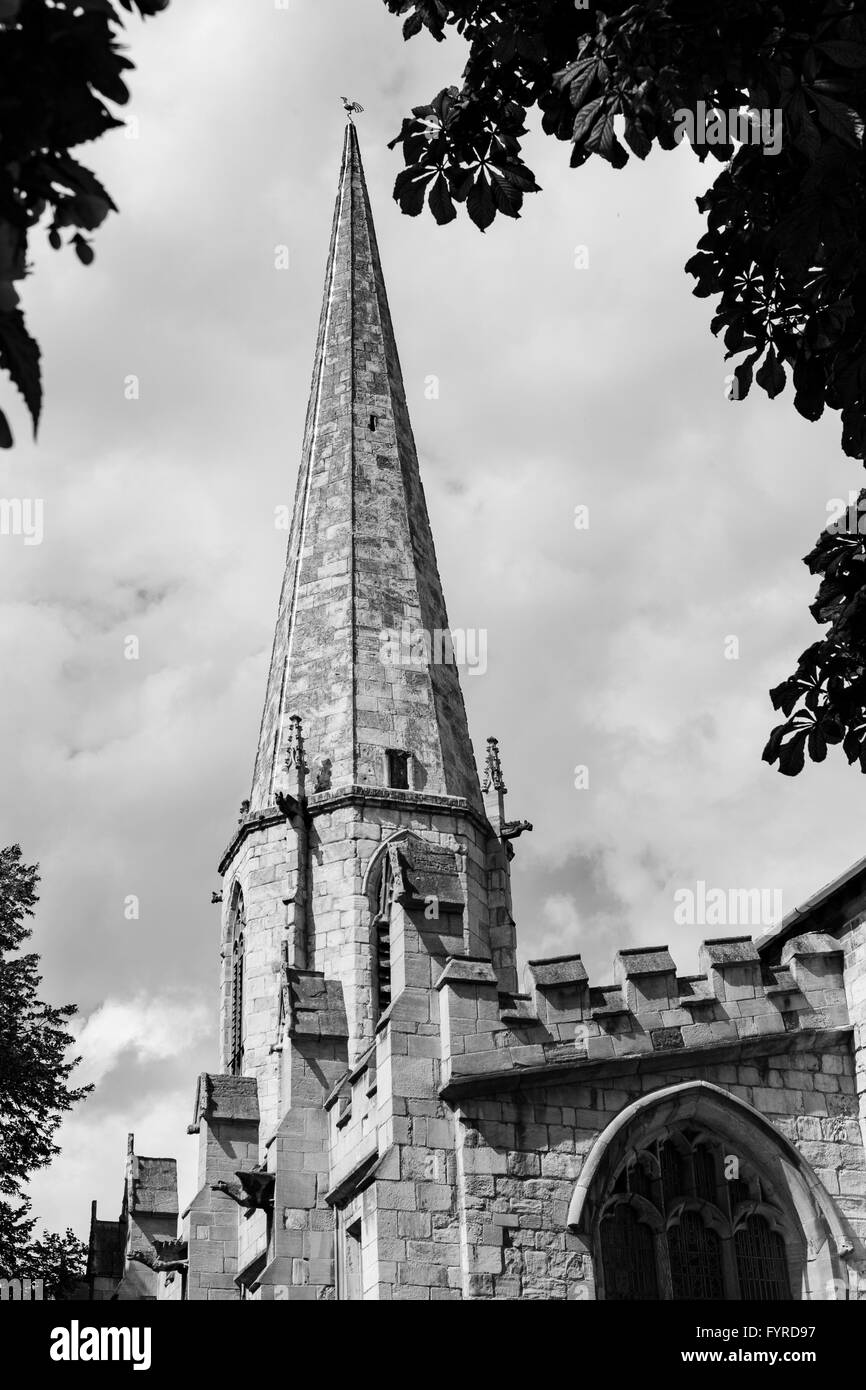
[[59, 1261], [784, 252], [60, 62], [35, 1068], [825, 699]]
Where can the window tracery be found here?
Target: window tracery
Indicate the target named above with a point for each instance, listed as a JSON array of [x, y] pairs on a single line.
[[673, 1227]]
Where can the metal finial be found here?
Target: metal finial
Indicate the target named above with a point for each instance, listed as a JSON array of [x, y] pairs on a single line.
[[351, 108], [295, 746], [493, 768]]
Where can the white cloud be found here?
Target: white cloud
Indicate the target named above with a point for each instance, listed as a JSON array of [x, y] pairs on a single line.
[[558, 387], [141, 1029], [91, 1165]]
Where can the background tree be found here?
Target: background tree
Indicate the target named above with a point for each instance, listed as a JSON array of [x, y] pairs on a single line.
[[60, 1262], [784, 252], [60, 63], [35, 1068]]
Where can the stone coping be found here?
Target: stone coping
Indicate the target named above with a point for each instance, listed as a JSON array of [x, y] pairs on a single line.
[[580, 1071], [554, 972], [223, 1097], [477, 970]]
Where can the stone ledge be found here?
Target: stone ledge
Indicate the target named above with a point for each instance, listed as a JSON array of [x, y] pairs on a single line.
[[152, 1185], [636, 961], [360, 1173], [463, 970], [517, 1008], [728, 952], [220, 1097], [555, 1073], [809, 945], [255, 820], [321, 802], [557, 971], [649, 997]]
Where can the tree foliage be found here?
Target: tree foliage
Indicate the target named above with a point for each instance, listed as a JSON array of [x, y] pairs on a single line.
[[784, 252], [60, 1261], [61, 69], [824, 702], [35, 1067]]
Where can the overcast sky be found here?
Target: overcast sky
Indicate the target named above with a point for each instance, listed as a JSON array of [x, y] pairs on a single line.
[[560, 387]]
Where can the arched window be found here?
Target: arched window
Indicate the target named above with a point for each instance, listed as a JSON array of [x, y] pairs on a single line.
[[382, 938], [761, 1264], [672, 1171], [673, 1228], [628, 1251], [695, 1254], [236, 987]]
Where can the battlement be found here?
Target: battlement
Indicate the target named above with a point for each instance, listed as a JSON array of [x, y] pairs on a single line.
[[151, 1186], [647, 1009]]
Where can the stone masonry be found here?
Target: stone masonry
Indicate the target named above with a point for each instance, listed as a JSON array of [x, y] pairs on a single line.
[[394, 1117]]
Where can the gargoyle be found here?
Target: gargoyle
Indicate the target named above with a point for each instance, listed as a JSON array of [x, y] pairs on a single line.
[[253, 1190], [165, 1256], [511, 829]]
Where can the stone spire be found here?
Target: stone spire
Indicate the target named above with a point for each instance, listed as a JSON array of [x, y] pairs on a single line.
[[361, 586]]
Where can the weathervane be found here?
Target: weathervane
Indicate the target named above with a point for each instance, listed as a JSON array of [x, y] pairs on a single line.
[[351, 107]]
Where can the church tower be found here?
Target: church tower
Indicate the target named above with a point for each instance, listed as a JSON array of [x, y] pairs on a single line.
[[391, 1118], [367, 853]]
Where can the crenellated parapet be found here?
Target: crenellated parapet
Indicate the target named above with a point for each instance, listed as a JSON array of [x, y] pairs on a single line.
[[127, 1258], [647, 1009]]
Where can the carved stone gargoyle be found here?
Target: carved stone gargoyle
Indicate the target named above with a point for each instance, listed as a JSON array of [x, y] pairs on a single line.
[[512, 830], [167, 1255], [253, 1190]]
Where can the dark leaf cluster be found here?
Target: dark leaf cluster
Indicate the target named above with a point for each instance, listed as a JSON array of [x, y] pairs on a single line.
[[62, 70], [784, 253], [824, 701]]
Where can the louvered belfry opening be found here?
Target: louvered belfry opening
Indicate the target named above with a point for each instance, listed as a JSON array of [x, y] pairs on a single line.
[[382, 938], [236, 1013], [676, 1226]]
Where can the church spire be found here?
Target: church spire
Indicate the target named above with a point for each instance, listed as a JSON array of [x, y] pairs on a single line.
[[362, 628]]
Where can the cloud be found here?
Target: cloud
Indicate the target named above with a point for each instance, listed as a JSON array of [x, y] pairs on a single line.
[[139, 1030], [93, 1156], [142, 1054], [558, 387]]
